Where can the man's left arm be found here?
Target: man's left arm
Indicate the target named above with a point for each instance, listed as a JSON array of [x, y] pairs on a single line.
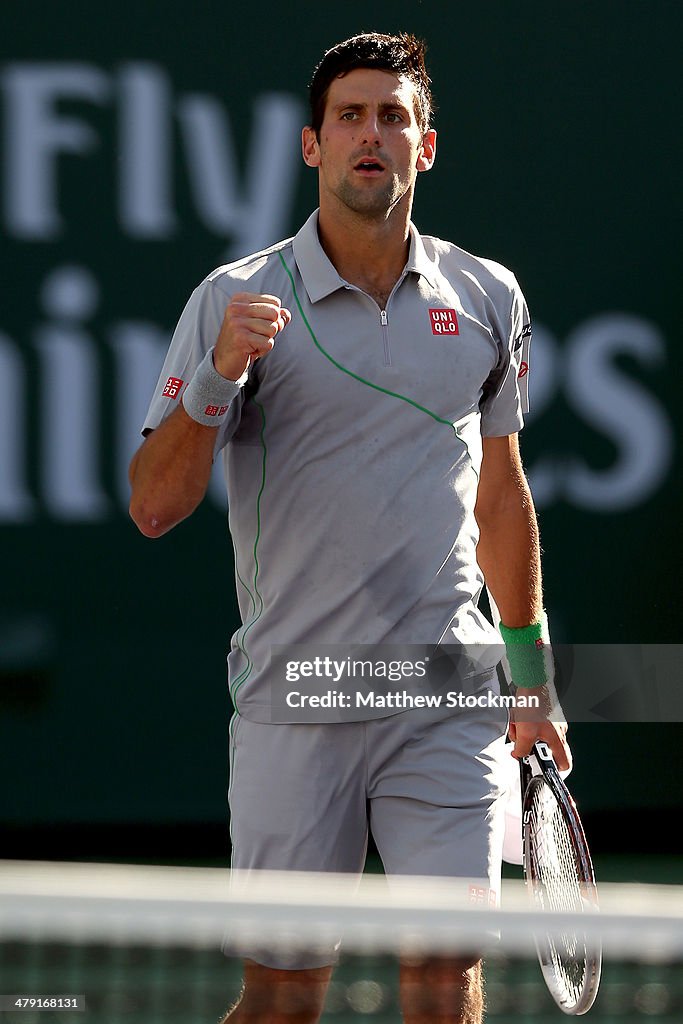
[[509, 555]]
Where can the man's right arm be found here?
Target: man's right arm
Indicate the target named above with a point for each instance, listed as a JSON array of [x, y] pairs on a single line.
[[170, 472]]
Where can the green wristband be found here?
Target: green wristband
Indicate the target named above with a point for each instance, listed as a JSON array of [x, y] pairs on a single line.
[[526, 653]]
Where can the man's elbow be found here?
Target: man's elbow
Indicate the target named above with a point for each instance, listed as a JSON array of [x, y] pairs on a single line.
[[495, 505], [492, 513], [148, 521]]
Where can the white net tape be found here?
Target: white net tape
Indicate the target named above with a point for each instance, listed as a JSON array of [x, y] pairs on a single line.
[[207, 907]]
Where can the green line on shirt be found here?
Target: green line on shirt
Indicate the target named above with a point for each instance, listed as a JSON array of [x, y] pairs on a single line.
[[246, 672], [362, 380], [239, 576]]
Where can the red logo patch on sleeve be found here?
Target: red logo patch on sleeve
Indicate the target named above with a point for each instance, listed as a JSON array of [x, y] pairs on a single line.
[[172, 388], [443, 321], [523, 369]]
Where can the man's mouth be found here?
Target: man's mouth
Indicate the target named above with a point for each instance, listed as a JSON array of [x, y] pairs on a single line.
[[369, 166]]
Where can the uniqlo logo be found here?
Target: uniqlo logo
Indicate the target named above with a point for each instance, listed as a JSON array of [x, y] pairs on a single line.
[[482, 896], [443, 321], [172, 388], [211, 410]]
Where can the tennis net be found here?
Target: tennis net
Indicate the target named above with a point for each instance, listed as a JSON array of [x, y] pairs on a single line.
[[134, 944]]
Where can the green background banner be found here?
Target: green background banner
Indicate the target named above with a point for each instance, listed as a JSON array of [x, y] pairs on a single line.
[[145, 144]]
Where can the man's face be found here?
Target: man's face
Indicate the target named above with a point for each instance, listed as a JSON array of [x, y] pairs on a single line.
[[370, 147]]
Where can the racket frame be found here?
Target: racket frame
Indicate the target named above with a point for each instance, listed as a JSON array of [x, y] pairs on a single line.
[[539, 768]]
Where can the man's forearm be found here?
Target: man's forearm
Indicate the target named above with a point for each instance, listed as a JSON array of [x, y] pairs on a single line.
[[509, 556], [170, 472]]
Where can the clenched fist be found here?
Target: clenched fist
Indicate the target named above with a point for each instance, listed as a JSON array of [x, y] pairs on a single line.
[[248, 332]]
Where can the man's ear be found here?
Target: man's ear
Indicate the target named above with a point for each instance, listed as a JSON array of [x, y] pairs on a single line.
[[310, 147], [427, 156]]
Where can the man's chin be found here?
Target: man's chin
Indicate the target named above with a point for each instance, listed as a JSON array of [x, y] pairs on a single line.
[[371, 204]]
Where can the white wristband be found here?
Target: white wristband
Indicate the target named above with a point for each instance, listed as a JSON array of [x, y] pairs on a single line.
[[208, 395]]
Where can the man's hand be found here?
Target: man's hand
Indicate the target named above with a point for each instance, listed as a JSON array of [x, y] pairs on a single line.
[[529, 724], [248, 332]]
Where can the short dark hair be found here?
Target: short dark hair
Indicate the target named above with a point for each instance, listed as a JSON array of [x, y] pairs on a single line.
[[402, 54]]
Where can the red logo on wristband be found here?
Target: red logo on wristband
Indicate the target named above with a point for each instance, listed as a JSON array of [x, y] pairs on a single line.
[[211, 410], [172, 389]]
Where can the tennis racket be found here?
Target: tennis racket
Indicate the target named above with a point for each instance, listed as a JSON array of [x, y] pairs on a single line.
[[559, 876]]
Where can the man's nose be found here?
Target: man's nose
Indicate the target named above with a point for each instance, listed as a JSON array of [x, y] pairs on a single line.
[[372, 132]]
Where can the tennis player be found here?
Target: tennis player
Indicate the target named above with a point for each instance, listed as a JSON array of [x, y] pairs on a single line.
[[364, 386]]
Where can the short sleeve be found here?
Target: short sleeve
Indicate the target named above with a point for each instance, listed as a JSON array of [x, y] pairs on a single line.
[[505, 400], [196, 332]]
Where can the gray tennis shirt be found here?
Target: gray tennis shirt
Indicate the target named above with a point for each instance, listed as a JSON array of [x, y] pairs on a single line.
[[352, 452]]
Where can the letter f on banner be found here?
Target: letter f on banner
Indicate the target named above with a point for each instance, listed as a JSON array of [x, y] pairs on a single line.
[[35, 135]]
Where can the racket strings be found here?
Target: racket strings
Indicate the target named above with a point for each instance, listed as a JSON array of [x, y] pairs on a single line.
[[557, 886]]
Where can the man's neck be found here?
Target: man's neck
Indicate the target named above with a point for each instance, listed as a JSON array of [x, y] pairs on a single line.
[[368, 254]]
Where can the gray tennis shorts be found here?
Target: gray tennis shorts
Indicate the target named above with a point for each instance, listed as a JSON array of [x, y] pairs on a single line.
[[304, 797]]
